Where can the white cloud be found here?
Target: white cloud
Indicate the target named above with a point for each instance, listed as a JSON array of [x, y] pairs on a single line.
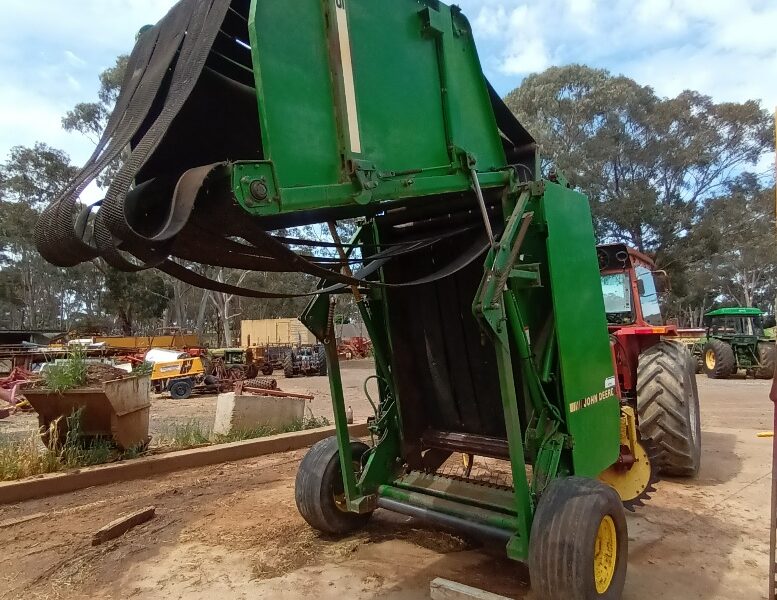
[[50, 60], [724, 50], [74, 59]]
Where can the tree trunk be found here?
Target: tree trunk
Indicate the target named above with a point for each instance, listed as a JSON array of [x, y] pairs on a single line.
[[125, 321]]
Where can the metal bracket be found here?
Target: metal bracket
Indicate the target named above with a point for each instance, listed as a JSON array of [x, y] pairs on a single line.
[[366, 174], [433, 21], [255, 186], [546, 465], [526, 276]]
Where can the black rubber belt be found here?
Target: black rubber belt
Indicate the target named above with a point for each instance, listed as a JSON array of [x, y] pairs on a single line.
[[163, 69], [147, 66]]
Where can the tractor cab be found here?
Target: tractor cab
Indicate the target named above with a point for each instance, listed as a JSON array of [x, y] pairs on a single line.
[[631, 287], [737, 322], [234, 356]]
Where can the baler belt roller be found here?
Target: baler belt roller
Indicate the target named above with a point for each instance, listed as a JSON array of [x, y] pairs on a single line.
[[471, 492], [451, 507], [457, 523]]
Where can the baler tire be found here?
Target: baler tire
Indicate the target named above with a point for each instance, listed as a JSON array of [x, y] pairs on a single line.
[[563, 543], [668, 408], [766, 356], [725, 362], [319, 481]]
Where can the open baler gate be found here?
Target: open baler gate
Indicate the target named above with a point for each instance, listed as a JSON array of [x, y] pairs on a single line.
[[478, 281]]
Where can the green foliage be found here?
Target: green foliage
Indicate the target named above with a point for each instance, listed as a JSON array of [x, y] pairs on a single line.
[[737, 239], [132, 296], [177, 436], [143, 369], [29, 457], [90, 118], [656, 170], [68, 374], [647, 163]]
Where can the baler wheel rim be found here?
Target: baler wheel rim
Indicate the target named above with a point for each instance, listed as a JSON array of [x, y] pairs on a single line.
[[605, 554]]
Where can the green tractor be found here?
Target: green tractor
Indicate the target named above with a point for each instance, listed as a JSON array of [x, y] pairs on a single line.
[[735, 341], [478, 280]]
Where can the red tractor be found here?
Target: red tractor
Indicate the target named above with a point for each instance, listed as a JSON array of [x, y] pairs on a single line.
[[655, 374]]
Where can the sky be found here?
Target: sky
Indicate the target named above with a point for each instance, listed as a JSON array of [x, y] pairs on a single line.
[[50, 57]]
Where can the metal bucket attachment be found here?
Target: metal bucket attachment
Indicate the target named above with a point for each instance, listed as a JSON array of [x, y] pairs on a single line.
[[120, 410]]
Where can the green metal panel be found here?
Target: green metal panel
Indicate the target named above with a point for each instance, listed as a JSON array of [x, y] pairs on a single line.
[[472, 128], [294, 87], [397, 86], [592, 409], [419, 109]]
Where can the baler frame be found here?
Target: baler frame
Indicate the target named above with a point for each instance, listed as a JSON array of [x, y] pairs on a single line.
[[500, 316]]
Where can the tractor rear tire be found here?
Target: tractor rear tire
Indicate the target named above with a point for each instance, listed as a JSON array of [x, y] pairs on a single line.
[[718, 359], [288, 366], [668, 408], [322, 364], [766, 356], [319, 484], [579, 542]]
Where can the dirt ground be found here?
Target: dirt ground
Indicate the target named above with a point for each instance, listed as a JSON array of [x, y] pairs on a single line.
[[232, 531]]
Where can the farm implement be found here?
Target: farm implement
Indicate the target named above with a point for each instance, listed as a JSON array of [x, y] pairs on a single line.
[[478, 281]]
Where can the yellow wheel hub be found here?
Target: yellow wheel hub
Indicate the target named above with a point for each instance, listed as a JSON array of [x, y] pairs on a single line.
[[630, 483], [709, 359], [605, 554]]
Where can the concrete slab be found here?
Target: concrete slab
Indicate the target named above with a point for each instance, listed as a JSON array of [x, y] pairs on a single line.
[[247, 412]]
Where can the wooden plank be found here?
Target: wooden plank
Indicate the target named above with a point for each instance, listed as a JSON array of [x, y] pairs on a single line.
[[122, 525], [278, 393], [444, 589]]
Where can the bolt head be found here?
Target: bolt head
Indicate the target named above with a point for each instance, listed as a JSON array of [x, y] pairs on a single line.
[[259, 190]]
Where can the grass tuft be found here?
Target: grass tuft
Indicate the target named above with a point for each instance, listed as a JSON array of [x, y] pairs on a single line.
[[69, 374], [178, 436], [192, 433], [29, 456]]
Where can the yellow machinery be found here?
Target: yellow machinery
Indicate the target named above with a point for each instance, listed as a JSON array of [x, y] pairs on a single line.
[[179, 377]]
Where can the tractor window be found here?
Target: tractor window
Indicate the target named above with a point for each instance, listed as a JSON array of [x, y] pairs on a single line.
[[732, 325], [651, 311], [617, 298]]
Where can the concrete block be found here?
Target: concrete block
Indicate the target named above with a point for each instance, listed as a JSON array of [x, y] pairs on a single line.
[[236, 413]]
